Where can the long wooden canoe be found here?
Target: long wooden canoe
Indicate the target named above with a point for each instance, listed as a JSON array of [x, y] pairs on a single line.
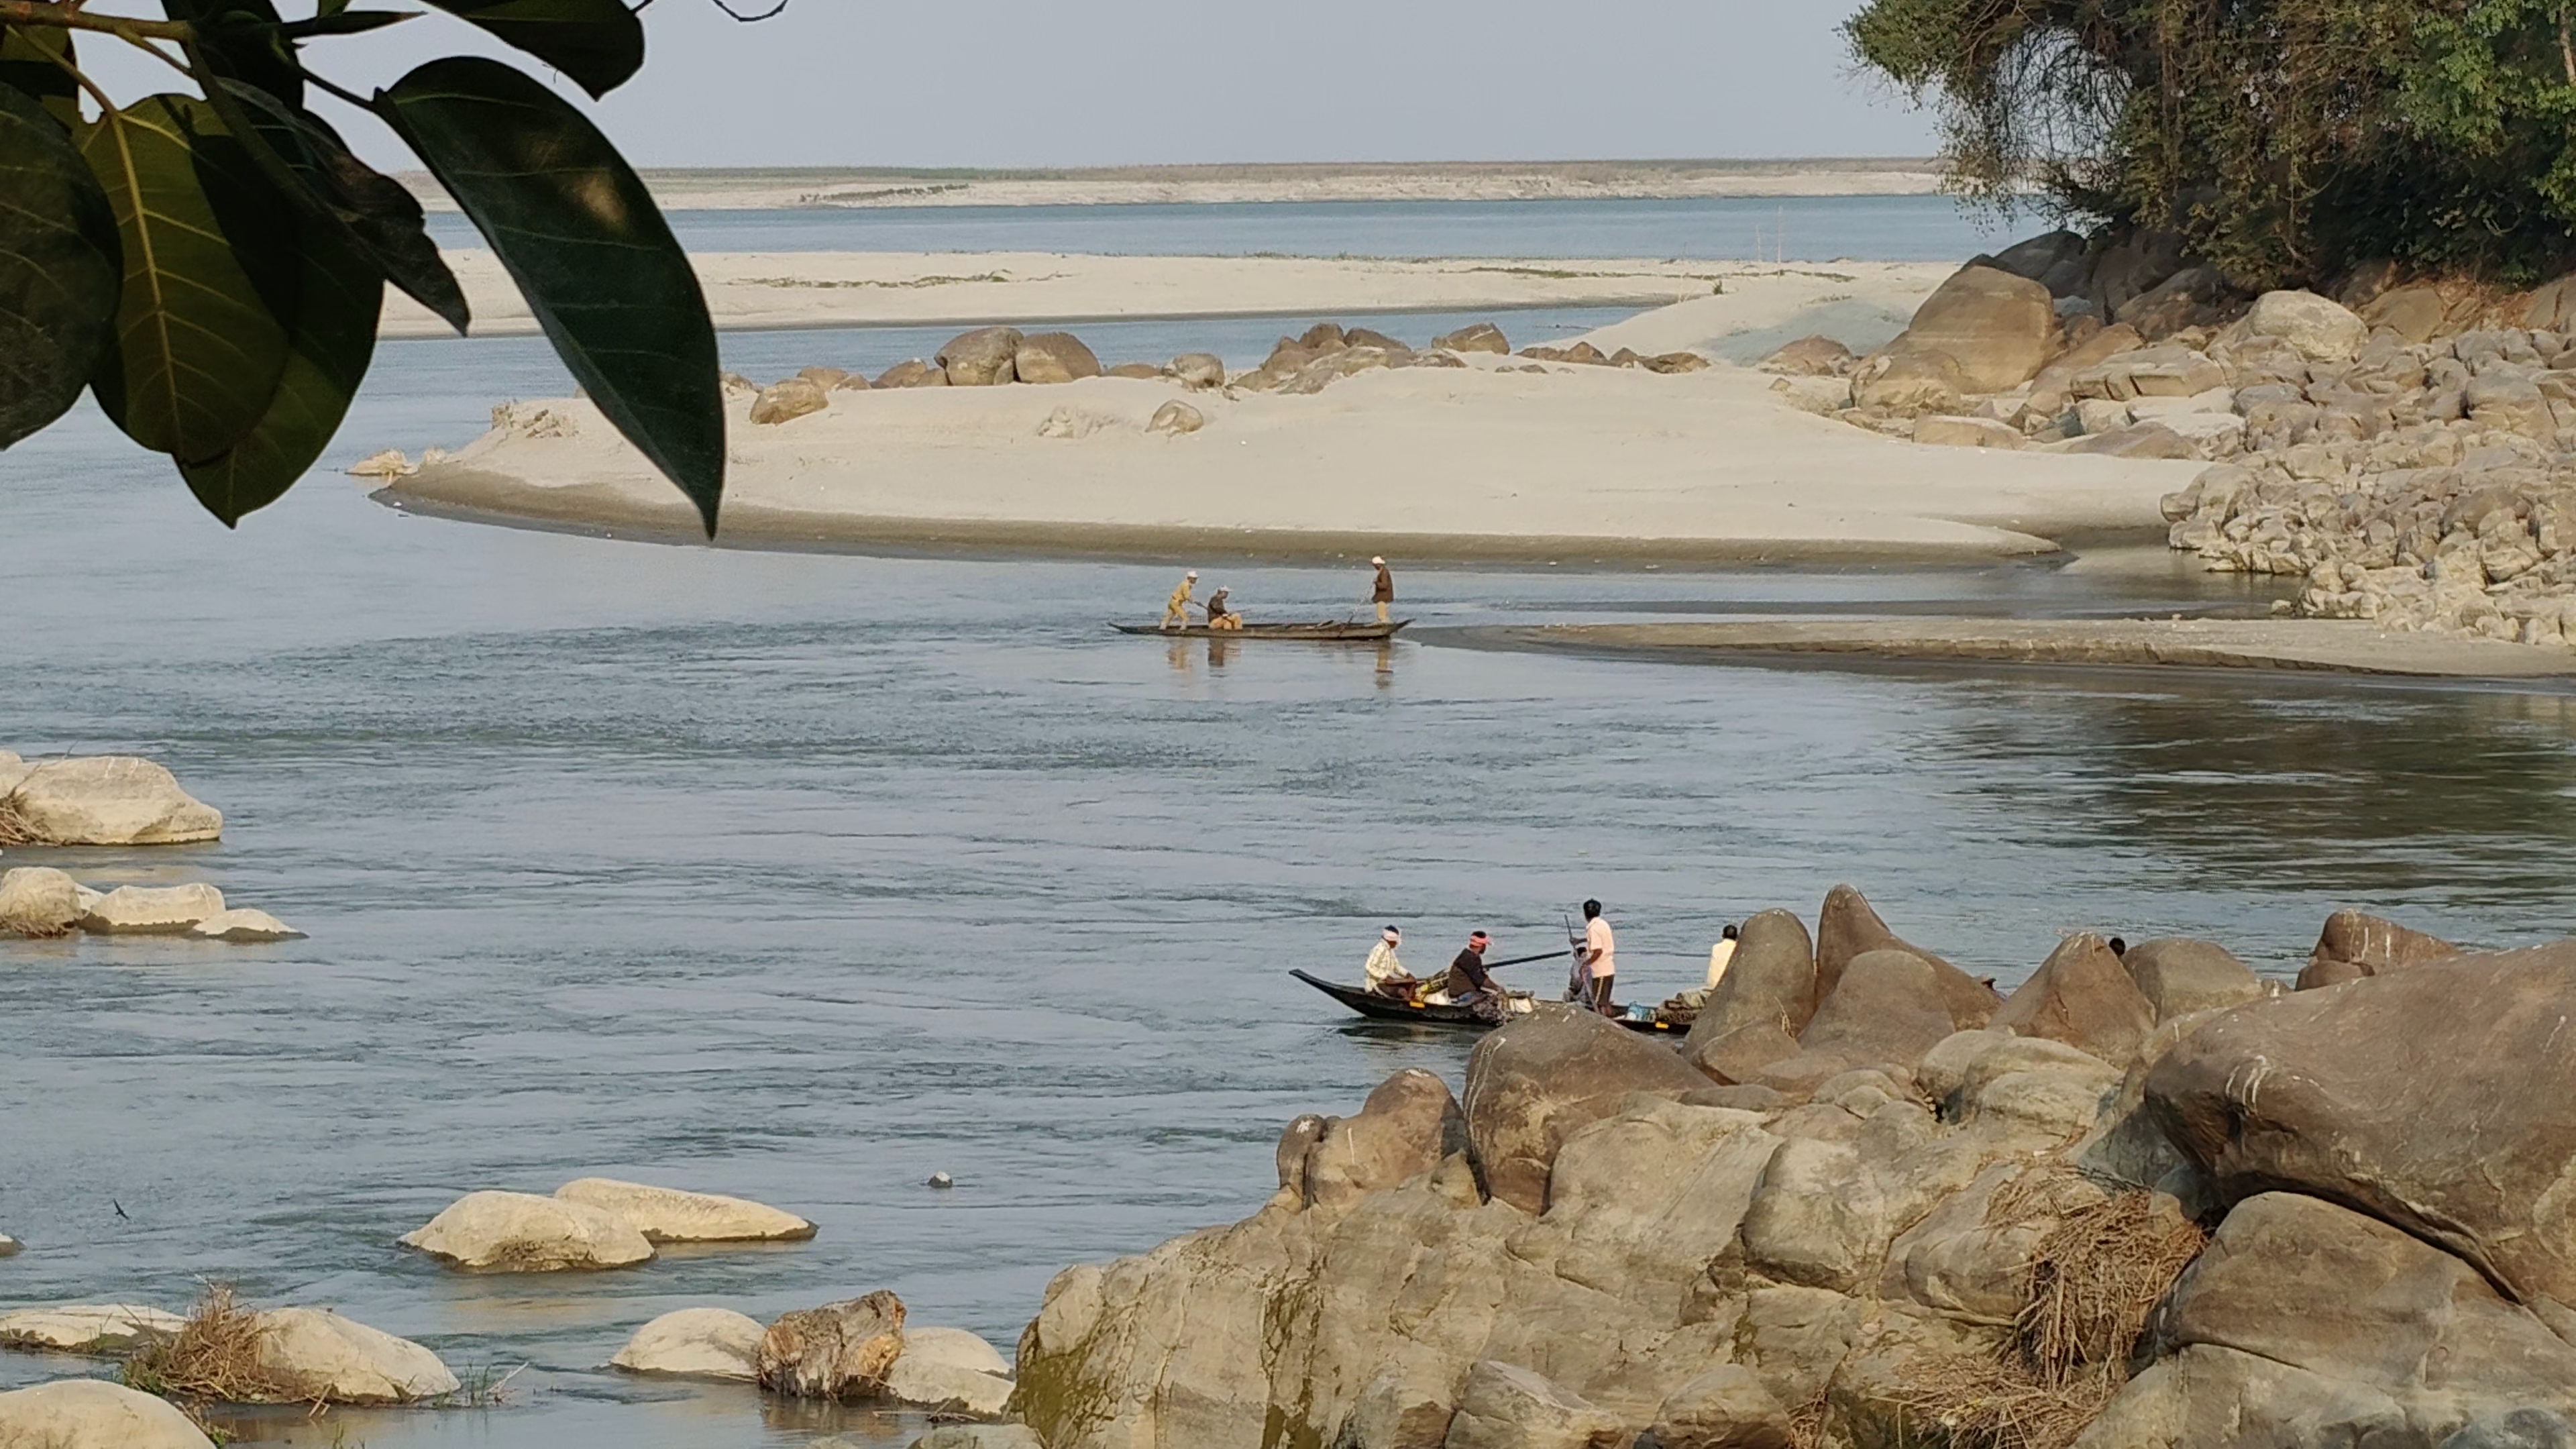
[[1386, 1008], [1327, 630]]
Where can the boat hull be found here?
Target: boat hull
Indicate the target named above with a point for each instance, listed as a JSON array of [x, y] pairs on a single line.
[[1386, 1008], [1326, 632]]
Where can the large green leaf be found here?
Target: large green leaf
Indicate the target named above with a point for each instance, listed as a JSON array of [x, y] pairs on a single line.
[[333, 341], [244, 40], [59, 268], [211, 267], [599, 43], [589, 250], [24, 66]]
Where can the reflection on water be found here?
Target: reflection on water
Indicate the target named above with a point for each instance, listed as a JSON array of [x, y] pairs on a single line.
[[802, 877]]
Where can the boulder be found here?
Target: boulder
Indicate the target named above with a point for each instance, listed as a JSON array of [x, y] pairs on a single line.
[[314, 1355], [1810, 357], [1199, 371], [2356, 944], [1849, 925], [2082, 996], [1910, 379], [846, 382], [1671, 363], [913, 373], [838, 1351], [152, 910], [1741, 1056], [9, 1246], [93, 1414], [1371, 337], [110, 800], [695, 1343], [1504, 1407], [730, 384], [2415, 313], [1537, 1079], [2058, 260], [1724, 1408], [1999, 328], [244, 927], [38, 900], [1953, 432], [668, 1215], [1816, 1216], [1773, 982], [520, 1232], [2168, 371], [2431, 1100], [1406, 1406], [788, 399], [985, 357], [2192, 297], [1475, 337], [2509, 400], [2321, 330], [2178, 976], [1175, 418], [2551, 306], [106, 1330], [1053, 357], [949, 1368], [1134, 371], [1888, 1007], [1407, 1126], [2143, 440], [2035, 1086], [829, 378], [1323, 337]]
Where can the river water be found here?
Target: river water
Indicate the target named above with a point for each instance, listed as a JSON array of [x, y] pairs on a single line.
[[804, 876]]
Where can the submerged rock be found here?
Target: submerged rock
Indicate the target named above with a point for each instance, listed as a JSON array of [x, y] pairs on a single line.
[[93, 1414], [668, 1215], [838, 1351], [698, 1343], [244, 927], [109, 800], [317, 1356], [152, 910], [102, 1329], [520, 1232]]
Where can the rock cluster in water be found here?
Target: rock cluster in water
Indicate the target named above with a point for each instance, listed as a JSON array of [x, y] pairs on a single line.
[[99, 800], [276, 1355], [2148, 1201], [592, 1223], [859, 1349], [40, 901]]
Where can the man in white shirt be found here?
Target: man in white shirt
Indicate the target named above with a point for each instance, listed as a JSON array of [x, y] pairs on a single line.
[[1721, 956], [1386, 974], [1600, 956]]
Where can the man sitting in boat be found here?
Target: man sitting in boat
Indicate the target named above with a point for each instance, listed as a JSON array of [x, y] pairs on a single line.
[[1386, 974], [1470, 985], [1221, 617], [1176, 609]]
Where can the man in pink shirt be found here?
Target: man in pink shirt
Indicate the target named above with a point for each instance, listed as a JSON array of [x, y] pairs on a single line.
[[1600, 956]]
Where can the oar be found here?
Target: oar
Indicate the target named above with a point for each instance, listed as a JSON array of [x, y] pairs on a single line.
[[1524, 960]]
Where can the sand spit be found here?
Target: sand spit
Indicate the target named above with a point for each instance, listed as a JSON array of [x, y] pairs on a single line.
[[778, 290], [2318, 645], [778, 188], [1563, 464]]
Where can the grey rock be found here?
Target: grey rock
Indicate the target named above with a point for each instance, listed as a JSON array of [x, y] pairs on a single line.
[[2179, 976], [985, 357], [1536, 1080]]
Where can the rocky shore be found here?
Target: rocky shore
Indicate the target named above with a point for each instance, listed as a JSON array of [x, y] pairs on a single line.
[[2148, 1201]]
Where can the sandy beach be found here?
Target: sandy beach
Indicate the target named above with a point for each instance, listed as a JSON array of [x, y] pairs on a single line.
[[754, 188], [784, 290]]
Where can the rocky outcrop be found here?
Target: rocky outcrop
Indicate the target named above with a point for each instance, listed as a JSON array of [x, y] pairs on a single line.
[[99, 1329], [1404, 1130], [985, 357], [695, 1343], [1506, 1407], [838, 1351], [107, 800], [1998, 328], [2082, 996], [668, 1215], [1771, 984], [1847, 926], [519, 1232], [2355, 944], [313, 1355], [93, 1414], [1050, 357], [1537, 1080], [151, 910], [2181, 977]]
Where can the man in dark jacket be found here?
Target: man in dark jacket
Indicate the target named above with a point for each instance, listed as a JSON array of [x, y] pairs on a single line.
[[1470, 985], [1383, 593]]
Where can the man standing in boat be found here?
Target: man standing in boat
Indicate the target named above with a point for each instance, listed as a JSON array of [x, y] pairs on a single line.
[[1382, 593], [1176, 609], [1599, 957]]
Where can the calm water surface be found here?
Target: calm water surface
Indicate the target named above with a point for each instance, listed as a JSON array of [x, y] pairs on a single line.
[[802, 877]]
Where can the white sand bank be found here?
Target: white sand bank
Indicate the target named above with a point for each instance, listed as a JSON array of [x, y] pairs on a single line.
[[1575, 464], [757, 290], [785, 187]]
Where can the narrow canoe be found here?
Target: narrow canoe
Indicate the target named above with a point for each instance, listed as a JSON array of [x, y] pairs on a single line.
[[1386, 1008], [1328, 630]]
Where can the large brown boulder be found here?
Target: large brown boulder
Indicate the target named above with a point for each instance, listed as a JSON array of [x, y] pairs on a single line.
[[2432, 1100], [982, 358], [913, 373], [1849, 926], [2083, 997], [2179, 976], [1475, 337], [108, 800], [2355, 944], [838, 1351], [1724, 1408], [787, 400], [1754, 1016], [1534, 1081], [1408, 1124], [2059, 260], [1888, 1007], [1998, 327], [1911, 379], [1053, 357]]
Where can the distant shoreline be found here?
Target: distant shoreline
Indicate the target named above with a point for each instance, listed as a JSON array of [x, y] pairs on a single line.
[[880, 187]]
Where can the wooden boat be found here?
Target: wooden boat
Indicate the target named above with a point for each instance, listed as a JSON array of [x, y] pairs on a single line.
[[1325, 630], [1386, 1008]]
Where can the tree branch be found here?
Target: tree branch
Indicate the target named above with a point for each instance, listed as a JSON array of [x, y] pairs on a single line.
[[72, 17]]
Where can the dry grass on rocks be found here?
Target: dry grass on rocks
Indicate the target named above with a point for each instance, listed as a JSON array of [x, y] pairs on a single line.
[[14, 829], [214, 1357], [2108, 1256]]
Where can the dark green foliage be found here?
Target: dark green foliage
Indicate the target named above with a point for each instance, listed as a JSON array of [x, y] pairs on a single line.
[[59, 269], [2287, 139], [33, 62], [579, 233], [599, 43]]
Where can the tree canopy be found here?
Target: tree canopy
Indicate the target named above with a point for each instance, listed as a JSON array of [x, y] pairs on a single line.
[[210, 262], [2287, 140]]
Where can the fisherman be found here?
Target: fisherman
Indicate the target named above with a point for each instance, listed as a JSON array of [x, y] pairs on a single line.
[[1470, 985], [1386, 974], [1220, 617], [1721, 956], [1382, 593], [1176, 609], [1598, 957]]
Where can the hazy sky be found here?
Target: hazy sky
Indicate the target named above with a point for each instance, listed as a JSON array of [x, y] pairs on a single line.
[[1021, 82]]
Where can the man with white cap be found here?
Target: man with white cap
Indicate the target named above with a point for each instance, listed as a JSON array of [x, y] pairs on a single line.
[[1176, 609], [1221, 615], [1386, 974], [1383, 593]]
